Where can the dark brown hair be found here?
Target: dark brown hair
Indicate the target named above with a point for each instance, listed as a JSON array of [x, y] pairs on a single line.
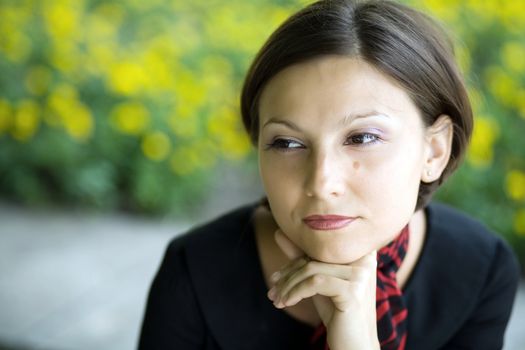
[[401, 42]]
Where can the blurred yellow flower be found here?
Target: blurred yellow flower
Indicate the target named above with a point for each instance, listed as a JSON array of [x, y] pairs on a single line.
[[235, 145], [61, 96], [130, 117], [224, 126], [519, 222], [166, 45], [183, 161], [200, 154], [66, 110], [100, 29], [445, 10], [67, 58], [188, 89], [216, 65], [515, 184], [502, 85], [513, 16], [156, 145], [79, 122], [483, 11], [15, 45], [219, 90], [100, 57], [26, 120], [62, 18], [15, 13], [127, 78], [216, 80], [513, 56], [160, 76], [221, 119], [222, 26], [5, 115], [113, 12], [486, 132], [184, 121], [38, 79]]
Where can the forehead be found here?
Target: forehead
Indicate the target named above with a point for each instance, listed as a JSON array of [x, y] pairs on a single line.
[[332, 86]]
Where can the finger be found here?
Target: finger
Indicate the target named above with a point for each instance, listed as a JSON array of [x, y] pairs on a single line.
[[289, 248], [302, 268], [278, 278], [344, 272], [288, 268], [307, 289], [344, 294]]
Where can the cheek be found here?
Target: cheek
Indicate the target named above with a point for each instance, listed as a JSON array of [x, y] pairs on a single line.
[[397, 168], [392, 187], [280, 181]]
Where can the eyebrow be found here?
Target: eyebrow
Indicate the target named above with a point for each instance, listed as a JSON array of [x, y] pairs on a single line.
[[346, 120]]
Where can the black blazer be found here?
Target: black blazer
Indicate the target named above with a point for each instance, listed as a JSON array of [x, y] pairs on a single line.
[[209, 292]]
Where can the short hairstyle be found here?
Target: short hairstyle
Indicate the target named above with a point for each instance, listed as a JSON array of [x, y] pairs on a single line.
[[399, 41]]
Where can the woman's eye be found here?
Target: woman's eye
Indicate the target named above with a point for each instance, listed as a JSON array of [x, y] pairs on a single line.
[[362, 139], [285, 145]]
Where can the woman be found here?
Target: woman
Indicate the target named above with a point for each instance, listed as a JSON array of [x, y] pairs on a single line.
[[358, 113]]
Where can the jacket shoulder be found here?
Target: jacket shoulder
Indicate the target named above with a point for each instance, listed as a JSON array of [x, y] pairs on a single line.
[[463, 268], [465, 247], [462, 232]]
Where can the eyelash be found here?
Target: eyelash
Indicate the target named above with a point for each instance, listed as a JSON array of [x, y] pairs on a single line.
[[366, 134], [278, 143]]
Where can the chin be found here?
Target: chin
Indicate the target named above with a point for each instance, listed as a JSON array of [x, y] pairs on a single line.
[[336, 256], [336, 260]]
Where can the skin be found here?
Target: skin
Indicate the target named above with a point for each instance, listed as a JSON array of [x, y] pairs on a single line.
[[339, 137]]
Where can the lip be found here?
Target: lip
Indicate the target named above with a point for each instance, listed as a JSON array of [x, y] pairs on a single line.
[[327, 222]]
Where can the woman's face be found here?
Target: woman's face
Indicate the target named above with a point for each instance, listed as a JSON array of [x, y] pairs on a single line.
[[337, 137]]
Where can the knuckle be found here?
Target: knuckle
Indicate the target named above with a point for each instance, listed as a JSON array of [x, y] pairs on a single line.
[[362, 273], [344, 307], [317, 280], [350, 287], [311, 267]]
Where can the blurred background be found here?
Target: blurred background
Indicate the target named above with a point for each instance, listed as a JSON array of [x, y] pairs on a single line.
[[120, 127]]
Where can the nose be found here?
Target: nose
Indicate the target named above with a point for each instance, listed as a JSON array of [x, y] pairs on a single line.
[[325, 177]]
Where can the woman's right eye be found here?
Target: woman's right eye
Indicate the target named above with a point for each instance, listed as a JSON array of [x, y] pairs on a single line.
[[285, 145]]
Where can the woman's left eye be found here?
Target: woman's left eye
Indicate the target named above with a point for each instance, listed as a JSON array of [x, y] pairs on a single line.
[[362, 139]]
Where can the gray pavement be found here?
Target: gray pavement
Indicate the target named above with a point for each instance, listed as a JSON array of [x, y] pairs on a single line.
[[72, 280], [75, 281]]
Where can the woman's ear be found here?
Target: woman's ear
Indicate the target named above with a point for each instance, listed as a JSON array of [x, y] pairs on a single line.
[[438, 147]]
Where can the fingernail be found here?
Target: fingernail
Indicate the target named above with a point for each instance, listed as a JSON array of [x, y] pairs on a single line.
[[280, 304], [271, 293], [283, 302], [275, 276]]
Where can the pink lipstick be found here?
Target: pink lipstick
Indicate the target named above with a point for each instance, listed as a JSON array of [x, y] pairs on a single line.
[[327, 222]]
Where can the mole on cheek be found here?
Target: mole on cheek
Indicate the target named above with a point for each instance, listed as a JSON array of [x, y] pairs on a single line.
[[356, 165]]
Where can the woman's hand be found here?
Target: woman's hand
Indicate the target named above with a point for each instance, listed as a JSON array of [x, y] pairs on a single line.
[[344, 295]]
